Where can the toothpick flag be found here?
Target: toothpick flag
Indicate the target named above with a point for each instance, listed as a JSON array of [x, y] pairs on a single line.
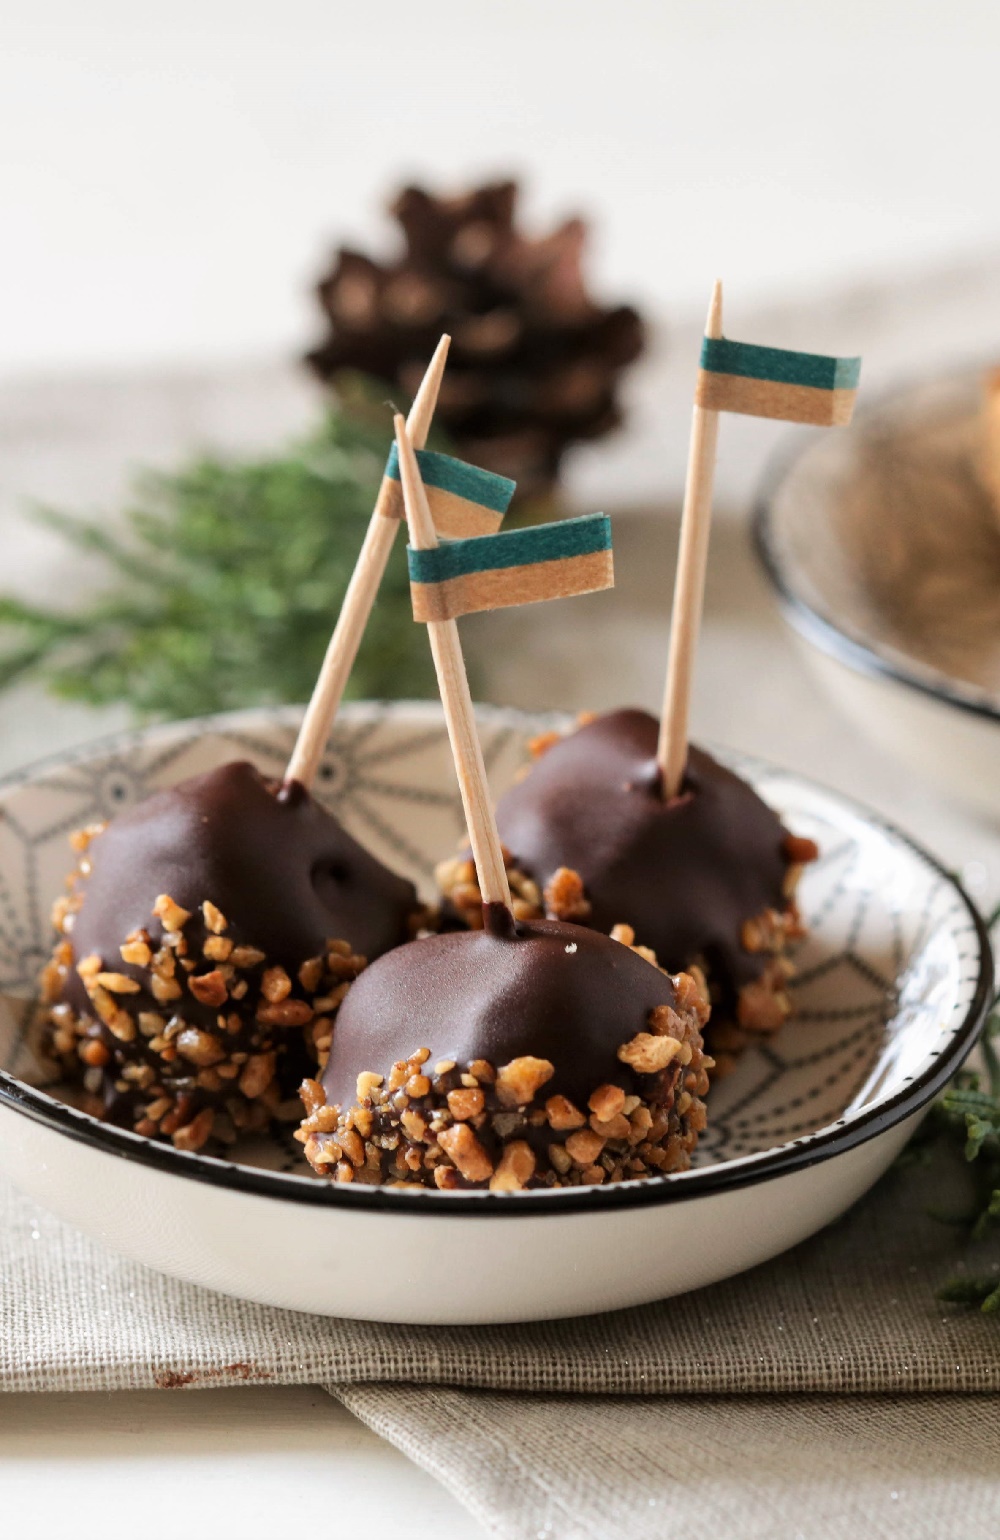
[[361, 591], [761, 382], [519, 566], [543, 562], [463, 499], [453, 682], [774, 382]]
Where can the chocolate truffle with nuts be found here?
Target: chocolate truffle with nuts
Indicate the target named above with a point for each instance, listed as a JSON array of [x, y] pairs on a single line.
[[522, 1055], [706, 878], [206, 941]]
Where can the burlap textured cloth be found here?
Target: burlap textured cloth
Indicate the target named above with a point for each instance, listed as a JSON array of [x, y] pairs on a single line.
[[853, 1309], [731, 1468], [654, 1421]]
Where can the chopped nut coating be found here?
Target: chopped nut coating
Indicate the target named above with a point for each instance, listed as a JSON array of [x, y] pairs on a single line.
[[647, 1054], [172, 915], [465, 1151], [519, 1081]]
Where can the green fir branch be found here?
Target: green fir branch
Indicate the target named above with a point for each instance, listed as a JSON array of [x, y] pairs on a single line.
[[967, 1118], [224, 584]]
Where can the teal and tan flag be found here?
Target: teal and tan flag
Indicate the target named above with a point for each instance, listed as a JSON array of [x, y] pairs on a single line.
[[774, 382], [519, 566], [464, 500]]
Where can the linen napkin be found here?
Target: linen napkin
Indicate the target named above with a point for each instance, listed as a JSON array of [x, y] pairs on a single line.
[[542, 1467], [853, 1309], [668, 1416]]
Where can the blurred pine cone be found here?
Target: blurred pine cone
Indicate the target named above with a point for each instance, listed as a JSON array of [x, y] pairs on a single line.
[[534, 361]]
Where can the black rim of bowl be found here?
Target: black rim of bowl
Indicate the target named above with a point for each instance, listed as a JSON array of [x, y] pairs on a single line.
[[702, 1181], [818, 627]]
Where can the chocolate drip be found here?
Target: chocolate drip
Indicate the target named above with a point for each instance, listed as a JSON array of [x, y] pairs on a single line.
[[546, 989], [498, 920], [282, 870], [685, 874]]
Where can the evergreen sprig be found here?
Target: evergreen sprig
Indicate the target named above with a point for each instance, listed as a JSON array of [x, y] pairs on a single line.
[[968, 1117], [224, 585]]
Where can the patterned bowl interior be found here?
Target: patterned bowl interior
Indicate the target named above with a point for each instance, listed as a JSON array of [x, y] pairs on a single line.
[[884, 982]]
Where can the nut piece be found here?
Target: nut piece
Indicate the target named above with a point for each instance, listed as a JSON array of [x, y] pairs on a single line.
[[647, 1054], [215, 920], [89, 967], [313, 1096], [80, 839], [564, 896], [310, 974], [170, 913], [114, 1018], [761, 1008], [466, 1153], [258, 1072], [275, 985], [94, 1054], [617, 1127], [666, 1022], [196, 1133], [209, 988], [518, 1081], [118, 983], [516, 1168], [562, 1114], [691, 991], [353, 1148], [286, 1013], [199, 1047], [764, 933], [136, 950], [413, 1125], [245, 957], [607, 1101], [367, 1083], [465, 1103], [584, 1147], [542, 742], [164, 989]]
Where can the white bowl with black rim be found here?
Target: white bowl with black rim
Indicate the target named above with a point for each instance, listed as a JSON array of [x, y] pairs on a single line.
[[892, 988], [882, 545]]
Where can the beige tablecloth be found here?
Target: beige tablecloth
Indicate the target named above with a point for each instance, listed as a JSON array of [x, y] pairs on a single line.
[[728, 1401]]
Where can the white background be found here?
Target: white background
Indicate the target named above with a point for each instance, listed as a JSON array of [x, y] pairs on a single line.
[[173, 173]]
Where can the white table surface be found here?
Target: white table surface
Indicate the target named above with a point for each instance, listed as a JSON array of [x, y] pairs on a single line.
[[232, 1464]]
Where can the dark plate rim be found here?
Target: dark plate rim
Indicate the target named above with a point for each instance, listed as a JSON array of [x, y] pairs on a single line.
[[701, 1182]]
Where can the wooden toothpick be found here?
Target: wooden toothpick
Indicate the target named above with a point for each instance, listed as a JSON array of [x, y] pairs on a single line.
[[361, 593], [453, 682], [689, 586]]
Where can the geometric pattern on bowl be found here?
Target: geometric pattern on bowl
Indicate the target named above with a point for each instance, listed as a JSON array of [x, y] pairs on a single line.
[[885, 979]]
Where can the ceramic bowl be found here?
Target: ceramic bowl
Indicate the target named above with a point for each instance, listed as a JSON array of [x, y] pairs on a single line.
[[890, 995], [884, 551]]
